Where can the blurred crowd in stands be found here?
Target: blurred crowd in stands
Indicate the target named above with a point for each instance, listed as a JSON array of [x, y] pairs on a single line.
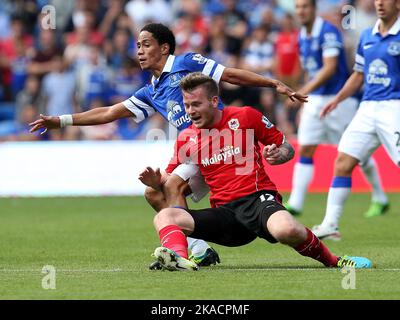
[[88, 58]]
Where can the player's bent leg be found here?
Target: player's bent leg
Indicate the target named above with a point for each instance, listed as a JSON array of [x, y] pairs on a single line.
[[337, 196], [187, 180], [302, 176], [172, 224], [288, 231], [284, 228]]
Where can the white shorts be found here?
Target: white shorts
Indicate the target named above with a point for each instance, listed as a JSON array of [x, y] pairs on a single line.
[[314, 131], [376, 123], [196, 182]]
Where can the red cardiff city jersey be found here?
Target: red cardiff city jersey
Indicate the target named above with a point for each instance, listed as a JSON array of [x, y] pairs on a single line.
[[229, 155]]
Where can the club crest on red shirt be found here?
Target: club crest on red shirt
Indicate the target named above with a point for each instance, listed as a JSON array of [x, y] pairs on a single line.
[[233, 124]]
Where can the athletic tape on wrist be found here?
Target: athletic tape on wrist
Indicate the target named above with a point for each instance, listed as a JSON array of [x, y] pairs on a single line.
[[66, 120]]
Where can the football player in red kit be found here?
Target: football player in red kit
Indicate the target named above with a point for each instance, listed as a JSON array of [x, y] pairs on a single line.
[[245, 202]]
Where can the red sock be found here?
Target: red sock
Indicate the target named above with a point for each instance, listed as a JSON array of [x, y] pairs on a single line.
[[315, 249], [172, 237]]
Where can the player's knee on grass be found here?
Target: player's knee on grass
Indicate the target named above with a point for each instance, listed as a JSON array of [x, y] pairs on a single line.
[[344, 165], [286, 229], [155, 198], [174, 216]]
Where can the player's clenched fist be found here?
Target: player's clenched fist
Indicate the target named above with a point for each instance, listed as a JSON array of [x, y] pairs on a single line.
[[278, 155], [272, 153]]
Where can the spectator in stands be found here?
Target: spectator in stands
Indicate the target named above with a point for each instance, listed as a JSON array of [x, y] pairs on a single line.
[[144, 11], [258, 53], [108, 25], [20, 130], [125, 80], [189, 37], [287, 69], [107, 131], [16, 48], [120, 49], [88, 22], [29, 104], [28, 11], [59, 89], [236, 26], [93, 79], [48, 48], [79, 13], [77, 53], [30, 95]]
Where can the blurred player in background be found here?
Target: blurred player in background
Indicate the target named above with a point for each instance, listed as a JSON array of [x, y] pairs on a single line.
[[156, 46], [323, 59], [245, 202], [377, 121]]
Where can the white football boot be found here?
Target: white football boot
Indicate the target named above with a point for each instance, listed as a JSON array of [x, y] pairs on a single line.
[[171, 261], [327, 233]]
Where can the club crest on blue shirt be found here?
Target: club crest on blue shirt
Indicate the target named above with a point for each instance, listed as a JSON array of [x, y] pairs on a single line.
[[233, 124], [174, 80], [394, 48], [173, 109], [199, 58]]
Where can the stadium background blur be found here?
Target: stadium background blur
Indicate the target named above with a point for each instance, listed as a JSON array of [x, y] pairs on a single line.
[[84, 56], [91, 55], [100, 246]]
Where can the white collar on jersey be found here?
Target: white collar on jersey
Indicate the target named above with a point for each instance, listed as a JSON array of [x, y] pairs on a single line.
[[316, 28], [167, 67], [395, 29]]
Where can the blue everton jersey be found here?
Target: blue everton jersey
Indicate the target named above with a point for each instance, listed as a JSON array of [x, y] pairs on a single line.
[[164, 95], [325, 41], [379, 59]]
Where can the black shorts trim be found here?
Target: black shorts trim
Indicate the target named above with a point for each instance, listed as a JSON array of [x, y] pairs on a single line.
[[238, 222]]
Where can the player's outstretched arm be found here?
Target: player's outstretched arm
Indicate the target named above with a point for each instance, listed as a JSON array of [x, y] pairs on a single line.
[[352, 85], [92, 117], [277, 155], [247, 78]]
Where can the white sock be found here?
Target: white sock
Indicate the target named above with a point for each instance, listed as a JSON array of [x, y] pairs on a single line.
[[197, 246], [302, 176], [370, 170], [337, 196]]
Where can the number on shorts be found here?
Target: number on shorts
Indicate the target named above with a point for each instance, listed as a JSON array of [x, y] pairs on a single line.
[[398, 138], [267, 197]]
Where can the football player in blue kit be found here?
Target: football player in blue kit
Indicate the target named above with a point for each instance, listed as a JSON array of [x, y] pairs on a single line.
[[156, 46], [377, 121], [323, 59]]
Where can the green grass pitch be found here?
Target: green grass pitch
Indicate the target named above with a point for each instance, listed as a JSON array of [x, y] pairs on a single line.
[[101, 247]]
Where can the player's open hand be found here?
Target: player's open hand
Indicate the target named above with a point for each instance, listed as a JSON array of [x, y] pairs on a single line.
[[332, 105], [151, 177], [293, 95], [272, 154], [45, 122]]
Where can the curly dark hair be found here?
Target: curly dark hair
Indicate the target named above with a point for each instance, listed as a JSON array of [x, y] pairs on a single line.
[[162, 34]]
